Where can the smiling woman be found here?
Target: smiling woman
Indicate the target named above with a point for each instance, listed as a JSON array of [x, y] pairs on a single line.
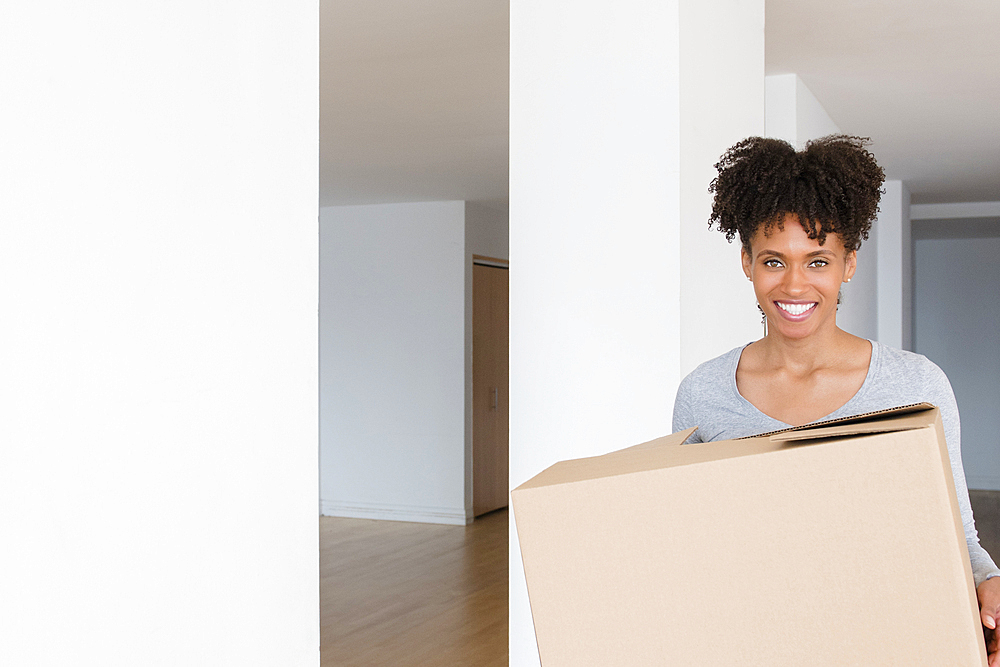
[[801, 216]]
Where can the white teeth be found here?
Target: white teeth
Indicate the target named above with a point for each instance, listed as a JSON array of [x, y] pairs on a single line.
[[795, 308]]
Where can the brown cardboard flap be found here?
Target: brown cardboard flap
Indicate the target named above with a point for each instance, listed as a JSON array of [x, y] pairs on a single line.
[[636, 460], [666, 441], [903, 422], [874, 417], [661, 453], [628, 460]]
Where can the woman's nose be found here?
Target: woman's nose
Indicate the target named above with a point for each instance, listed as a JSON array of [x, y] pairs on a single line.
[[795, 280]]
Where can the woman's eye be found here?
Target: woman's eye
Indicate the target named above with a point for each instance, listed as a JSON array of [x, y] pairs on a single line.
[[772, 263], [819, 263]]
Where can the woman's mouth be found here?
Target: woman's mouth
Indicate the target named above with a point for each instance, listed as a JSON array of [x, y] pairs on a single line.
[[795, 311]]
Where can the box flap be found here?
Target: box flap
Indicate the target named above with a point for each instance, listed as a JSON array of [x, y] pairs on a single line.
[[908, 422], [658, 453], [666, 441], [861, 422], [643, 459]]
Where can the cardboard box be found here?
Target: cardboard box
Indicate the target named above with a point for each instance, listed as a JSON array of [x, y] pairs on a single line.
[[833, 544]]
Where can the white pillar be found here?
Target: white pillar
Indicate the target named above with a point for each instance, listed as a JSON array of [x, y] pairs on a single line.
[[722, 102], [793, 113], [607, 292], [895, 273], [780, 108], [858, 314], [158, 189]]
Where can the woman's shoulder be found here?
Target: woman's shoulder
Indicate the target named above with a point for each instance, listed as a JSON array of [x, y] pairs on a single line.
[[706, 398], [712, 371], [909, 376], [903, 363]]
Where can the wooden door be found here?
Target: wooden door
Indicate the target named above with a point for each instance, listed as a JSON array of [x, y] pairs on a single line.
[[489, 388]]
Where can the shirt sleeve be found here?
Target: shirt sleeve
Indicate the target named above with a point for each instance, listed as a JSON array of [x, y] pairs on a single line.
[[940, 393], [684, 416]]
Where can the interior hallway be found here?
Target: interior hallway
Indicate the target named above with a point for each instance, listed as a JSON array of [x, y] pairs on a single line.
[[413, 594]]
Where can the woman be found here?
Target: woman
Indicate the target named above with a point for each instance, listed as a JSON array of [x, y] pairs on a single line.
[[801, 217]]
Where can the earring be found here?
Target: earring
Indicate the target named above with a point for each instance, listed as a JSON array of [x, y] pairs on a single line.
[[763, 318]]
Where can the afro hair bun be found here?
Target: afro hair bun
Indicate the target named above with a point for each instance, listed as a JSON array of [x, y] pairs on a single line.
[[833, 185]]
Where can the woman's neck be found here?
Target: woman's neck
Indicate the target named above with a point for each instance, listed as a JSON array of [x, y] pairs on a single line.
[[806, 354]]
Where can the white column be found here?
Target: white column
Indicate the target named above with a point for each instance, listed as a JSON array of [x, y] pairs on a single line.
[[600, 134], [780, 109], [858, 314], [895, 273], [158, 189], [722, 102], [793, 113]]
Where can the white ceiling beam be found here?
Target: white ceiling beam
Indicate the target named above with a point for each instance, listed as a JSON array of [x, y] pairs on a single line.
[[980, 209]]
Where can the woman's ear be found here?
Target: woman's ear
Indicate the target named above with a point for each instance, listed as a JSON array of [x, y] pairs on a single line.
[[747, 263], [851, 265]]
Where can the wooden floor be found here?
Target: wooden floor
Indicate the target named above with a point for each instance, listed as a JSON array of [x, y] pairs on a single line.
[[986, 510], [401, 594]]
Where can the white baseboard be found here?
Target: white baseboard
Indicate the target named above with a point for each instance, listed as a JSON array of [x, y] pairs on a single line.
[[444, 515], [982, 482]]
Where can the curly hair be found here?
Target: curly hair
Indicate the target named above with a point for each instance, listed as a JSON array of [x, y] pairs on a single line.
[[833, 185]]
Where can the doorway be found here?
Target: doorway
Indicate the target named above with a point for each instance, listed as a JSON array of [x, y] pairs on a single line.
[[489, 384]]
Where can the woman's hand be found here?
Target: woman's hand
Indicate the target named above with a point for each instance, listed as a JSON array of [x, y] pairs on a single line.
[[988, 593]]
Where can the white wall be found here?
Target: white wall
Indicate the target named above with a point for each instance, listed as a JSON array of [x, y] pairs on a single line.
[[611, 295], [721, 103], [956, 301], [895, 272], [780, 107], [793, 113], [393, 361], [158, 284], [486, 230], [858, 314], [812, 119]]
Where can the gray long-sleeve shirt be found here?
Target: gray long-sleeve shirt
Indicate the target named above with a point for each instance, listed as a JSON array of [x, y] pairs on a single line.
[[709, 399]]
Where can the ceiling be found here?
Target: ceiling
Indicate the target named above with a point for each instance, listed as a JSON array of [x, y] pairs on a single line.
[[413, 101], [413, 95], [920, 77]]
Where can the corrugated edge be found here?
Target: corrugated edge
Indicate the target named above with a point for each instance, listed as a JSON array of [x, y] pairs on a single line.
[[901, 410]]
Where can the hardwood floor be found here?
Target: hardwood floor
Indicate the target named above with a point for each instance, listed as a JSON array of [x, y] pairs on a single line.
[[402, 594], [986, 510]]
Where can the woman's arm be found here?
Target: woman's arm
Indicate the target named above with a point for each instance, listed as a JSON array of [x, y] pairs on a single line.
[[940, 393], [984, 570], [682, 408], [684, 412]]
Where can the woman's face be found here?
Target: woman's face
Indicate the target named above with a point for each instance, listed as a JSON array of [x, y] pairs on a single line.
[[796, 279]]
